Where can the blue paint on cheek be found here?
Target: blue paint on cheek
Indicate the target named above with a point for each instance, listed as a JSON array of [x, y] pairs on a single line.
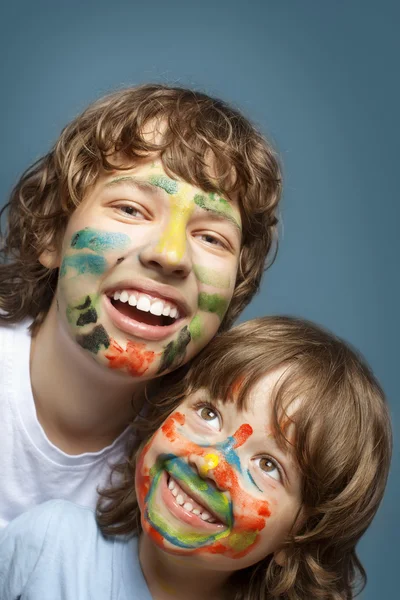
[[230, 453], [99, 241], [84, 263], [252, 480]]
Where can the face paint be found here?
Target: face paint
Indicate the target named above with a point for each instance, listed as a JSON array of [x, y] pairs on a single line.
[[174, 352], [105, 247], [195, 328], [213, 303], [212, 277], [95, 340], [84, 313], [135, 358], [83, 263], [99, 241], [214, 203], [173, 240], [243, 515]]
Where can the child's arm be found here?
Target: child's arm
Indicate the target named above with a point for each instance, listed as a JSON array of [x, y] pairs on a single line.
[[22, 544]]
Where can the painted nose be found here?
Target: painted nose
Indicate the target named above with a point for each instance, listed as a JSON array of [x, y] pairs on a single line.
[[206, 463], [166, 261]]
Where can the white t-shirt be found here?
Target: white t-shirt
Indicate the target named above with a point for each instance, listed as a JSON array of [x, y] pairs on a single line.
[[32, 469]]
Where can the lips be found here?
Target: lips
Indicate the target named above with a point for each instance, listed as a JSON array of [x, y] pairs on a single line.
[[145, 309], [198, 492]]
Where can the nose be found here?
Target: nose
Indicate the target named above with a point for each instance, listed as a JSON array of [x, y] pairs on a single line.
[[205, 464], [166, 259]]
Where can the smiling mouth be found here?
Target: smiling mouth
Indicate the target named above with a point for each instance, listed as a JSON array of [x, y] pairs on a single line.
[[190, 505], [145, 308]]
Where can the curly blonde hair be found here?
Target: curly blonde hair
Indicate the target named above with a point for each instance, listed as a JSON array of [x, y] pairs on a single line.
[[342, 448], [199, 129]]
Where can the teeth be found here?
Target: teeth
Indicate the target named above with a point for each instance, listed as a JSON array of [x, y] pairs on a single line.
[[188, 506], [180, 500], [155, 306], [171, 484], [143, 303], [196, 511], [205, 516], [132, 300], [174, 492]]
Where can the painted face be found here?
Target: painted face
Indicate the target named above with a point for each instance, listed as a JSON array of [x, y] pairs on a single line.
[[212, 482], [148, 269]]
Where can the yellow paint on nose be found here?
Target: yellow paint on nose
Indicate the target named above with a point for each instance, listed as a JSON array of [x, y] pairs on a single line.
[[173, 241], [210, 462]]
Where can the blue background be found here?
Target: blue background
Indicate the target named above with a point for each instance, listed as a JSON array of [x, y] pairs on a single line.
[[321, 78]]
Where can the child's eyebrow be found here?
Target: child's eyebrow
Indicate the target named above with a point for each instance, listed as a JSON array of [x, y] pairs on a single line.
[[225, 213]]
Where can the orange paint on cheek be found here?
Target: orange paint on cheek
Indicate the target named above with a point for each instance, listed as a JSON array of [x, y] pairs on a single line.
[[135, 359], [169, 427]]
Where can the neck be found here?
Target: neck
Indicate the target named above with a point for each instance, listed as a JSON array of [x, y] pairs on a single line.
[[180, 578], [81, 405]]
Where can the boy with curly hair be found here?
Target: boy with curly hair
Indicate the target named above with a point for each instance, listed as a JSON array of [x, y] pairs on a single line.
[[143, 232]]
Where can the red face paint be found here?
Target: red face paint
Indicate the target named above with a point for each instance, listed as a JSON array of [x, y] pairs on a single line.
[[249, 513], [135, 359]]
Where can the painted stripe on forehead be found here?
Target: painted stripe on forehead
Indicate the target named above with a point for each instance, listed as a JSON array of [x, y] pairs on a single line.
[[217, 205]]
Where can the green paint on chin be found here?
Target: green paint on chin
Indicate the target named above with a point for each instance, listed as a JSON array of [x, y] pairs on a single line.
[[212, 277], [165, 183], [174, 352], [195, 328], [213, 303], [98, 240]]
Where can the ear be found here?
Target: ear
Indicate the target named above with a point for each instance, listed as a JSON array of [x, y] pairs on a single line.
[[280, 558], [50, 258]]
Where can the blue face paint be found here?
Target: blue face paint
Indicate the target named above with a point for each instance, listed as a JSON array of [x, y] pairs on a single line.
[[230, 454], [252, 480], [84, 263], [99, 241]]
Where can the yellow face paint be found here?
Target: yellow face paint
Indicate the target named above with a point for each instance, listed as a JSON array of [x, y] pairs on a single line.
[[173, 240], [210, 462]]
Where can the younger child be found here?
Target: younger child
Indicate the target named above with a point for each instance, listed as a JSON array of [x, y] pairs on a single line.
[[142, 233], [258, 474]]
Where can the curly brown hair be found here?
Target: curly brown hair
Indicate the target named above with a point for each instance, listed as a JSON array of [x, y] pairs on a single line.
[[342, 448], [199, 130]]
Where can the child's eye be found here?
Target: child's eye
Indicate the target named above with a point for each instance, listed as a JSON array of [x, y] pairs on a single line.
[[209, 414], [131, 211], [270, 467], [213, 240]]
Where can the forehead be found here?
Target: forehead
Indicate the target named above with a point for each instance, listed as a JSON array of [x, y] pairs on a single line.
[[149, 176]]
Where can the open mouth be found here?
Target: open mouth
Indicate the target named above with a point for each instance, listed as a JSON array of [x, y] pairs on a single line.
[[187, 508], [143, 314], [145, 308]]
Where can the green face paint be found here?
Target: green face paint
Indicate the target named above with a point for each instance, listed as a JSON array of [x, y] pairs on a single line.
[[213, 303], [214, 203], [165, 183], [195, 328], [84, 312], [174, 352], [212, 277]]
